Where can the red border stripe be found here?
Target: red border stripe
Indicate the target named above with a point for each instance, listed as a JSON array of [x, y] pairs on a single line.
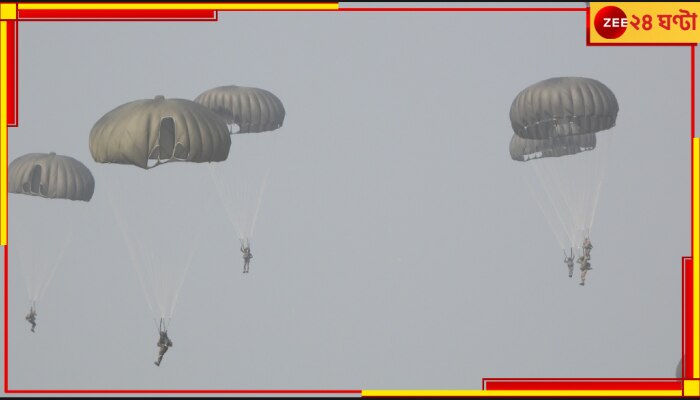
[[688, 318], [30, 14], [583, 385], [11, 73]]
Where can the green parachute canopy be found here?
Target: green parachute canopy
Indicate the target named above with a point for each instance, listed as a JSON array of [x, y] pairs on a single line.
[[50, 176], [531, 149], [563, 106], [159, 129], [252, 109]]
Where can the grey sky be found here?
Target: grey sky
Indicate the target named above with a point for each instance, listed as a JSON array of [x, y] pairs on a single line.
[[397, 245]]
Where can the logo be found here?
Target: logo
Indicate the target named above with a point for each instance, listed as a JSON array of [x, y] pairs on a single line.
[[610, 22]]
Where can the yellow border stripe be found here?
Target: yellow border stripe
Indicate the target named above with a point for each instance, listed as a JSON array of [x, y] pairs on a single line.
[[502, 393], [3, 133], [696, 257], [178, 6]]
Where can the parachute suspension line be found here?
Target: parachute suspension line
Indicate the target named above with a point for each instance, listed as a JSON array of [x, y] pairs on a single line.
[[30, 268], [139, 260], [587, 174], [603, 169], [559, 185], [551, 224], [130, 247], [31, 271], [36, 269], [163, 324], [568, 203], [266, 156], [551, 187], [56, 262], [158, 277], [259, 200], [242, 187], [597, 166], [184, 274], [595, 207], [579, 196], [248, 191], [27, 274], [555, 205], [218, 184], [262, 149]]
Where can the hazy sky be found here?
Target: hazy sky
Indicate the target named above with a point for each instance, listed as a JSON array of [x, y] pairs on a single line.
[[397, 245]]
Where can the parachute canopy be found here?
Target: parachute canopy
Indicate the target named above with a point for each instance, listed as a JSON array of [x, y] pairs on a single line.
[[563, 106], [531, 149], [557, 122], [162, 130], [51, 176], [252, 109]]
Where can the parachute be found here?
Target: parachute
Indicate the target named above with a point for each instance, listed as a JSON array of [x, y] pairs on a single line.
[[252, 109], [562, 107], [43, 229], [241, 181], [557, 126], [51, 176], [159, 129]]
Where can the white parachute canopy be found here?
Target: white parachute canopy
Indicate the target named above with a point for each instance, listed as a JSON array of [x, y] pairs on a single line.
[[241, 180], [161, 217]]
